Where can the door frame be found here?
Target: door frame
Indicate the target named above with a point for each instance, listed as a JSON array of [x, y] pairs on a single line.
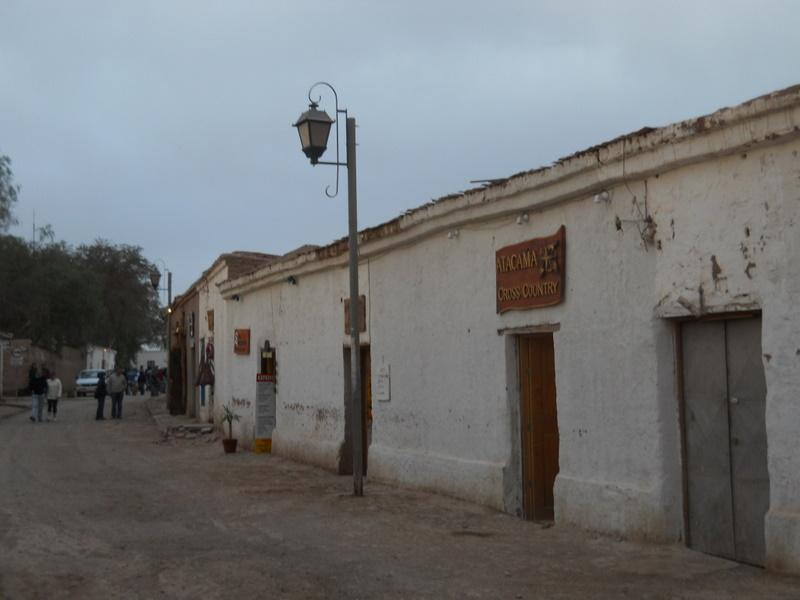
[[677, 334], [519, 435]]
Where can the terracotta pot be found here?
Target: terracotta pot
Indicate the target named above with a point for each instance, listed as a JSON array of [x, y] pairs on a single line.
[[229, 445]]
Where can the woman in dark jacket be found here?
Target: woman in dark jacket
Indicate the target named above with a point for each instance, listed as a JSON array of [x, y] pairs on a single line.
[[100, 393]]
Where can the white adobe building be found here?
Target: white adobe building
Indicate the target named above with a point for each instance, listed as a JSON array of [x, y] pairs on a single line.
[[212, 310], [100, 357], [654, 395], [151, 355]]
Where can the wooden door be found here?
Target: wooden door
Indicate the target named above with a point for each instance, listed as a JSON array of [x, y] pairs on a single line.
[[366, 403], [724, 394], [538, 425], [345, 466]]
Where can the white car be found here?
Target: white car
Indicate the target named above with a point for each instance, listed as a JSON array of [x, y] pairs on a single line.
[[86, 382]]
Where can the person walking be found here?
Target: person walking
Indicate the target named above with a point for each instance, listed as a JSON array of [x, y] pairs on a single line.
[[38, 385], [117, 384], [142, 380], [100, 394], [54, 390]]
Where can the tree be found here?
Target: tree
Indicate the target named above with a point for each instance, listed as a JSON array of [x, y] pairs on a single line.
[[129, 315], [98, 294], [8, 194]]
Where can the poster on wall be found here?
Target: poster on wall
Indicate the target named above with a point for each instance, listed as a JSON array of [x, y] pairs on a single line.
[[531, 274], [265, 405], [241, 341]]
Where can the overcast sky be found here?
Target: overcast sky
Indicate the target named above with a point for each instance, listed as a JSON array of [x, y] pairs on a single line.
[[167, 124]]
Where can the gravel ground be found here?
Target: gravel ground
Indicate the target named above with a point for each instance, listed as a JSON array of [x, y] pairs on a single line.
[[113, 509]]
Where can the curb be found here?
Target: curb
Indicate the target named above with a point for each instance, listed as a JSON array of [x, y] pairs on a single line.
[[14, 414]]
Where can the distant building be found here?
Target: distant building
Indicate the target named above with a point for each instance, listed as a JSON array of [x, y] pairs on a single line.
[[194, 317], [100, 357], [151, 355], [20, 354]]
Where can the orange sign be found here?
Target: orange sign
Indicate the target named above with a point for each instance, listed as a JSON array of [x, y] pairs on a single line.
[[241, 341], [531, 274]]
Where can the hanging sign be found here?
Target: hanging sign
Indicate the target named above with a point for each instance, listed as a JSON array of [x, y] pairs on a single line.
[[531, 274], [241, 341], [361, 309]]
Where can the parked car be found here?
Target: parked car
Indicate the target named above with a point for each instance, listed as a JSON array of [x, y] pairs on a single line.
[[86, 382]]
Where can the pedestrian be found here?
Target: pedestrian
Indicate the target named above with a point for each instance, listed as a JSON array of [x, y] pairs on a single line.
[[38, 392], [31, 376], [142, 381], [100, 394], [152, 381], [54, 390], [117, 384]]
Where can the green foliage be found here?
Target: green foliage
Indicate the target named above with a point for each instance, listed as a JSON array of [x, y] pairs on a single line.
[[228, 416], [8, 194], [95, 294], [130, 314]]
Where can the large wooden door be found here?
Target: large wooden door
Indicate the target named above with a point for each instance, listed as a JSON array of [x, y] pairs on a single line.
[[366, 403], [725, 438], [538, 424]]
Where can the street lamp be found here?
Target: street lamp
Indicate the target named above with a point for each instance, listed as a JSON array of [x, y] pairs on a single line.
[[314, 127], [155, 279]]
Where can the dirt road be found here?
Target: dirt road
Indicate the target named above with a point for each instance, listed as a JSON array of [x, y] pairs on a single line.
[[109, 510]]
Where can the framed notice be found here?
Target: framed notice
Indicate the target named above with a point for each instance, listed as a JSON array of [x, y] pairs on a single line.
[[383, 384], [531, 274], [265, 405], [241, 341]]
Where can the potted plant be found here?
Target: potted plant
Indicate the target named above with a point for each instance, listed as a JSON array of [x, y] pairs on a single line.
[[228, 416]]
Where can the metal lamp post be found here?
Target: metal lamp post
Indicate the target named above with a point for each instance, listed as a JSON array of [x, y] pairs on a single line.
[[155, 279], [314, 126]]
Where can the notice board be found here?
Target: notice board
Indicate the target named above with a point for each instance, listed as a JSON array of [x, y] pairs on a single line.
[[265, 405]]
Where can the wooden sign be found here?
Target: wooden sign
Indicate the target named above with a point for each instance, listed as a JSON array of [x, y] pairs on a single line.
[[241, 341], [362, 314], [531, 274]]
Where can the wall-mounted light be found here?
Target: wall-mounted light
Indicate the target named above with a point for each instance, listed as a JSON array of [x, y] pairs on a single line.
[[600, 197], [523, 218], [291, 280], [452, 235]]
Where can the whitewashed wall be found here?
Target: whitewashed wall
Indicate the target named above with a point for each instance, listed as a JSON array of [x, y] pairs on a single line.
[[95, 355], [451, 424], [304, 322], [211, 299], [744, 210]]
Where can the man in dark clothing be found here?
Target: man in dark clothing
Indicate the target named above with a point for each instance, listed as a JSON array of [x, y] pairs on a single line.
[[100, 393], [142, 381], [38, 385]]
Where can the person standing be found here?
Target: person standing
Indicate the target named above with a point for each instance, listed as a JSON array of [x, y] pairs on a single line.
[[117, 384], [31, 376], [142, 380], [38, 392], [100, 394], [53, 395]]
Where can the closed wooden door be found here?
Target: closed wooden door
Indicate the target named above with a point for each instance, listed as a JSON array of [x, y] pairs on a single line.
[[538, 424], [366, 403], [725, 438]]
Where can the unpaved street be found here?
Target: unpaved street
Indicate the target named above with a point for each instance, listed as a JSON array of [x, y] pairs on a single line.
[[110, 510]]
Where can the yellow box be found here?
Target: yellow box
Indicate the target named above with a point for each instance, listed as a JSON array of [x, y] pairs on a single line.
[[263, 446]]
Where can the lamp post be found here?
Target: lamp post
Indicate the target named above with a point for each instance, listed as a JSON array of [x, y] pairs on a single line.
[[155, 279], [314, 126]]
